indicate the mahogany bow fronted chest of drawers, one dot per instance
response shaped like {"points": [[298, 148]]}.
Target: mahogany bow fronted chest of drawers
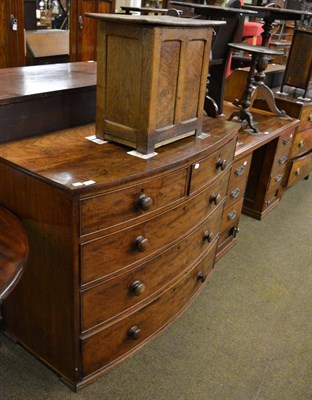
{"points": [[118, 245]]}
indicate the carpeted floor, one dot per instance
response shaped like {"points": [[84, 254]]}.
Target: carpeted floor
{"points": [[248, 336]]}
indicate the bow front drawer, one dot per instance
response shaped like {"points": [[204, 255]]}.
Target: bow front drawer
{"points": [[300, 168], [302, 143], [111, 253], [305, 119], [115, 296], [115, 342], [112, 208], [206, 170]]}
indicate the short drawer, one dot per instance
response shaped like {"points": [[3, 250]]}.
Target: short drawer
{"points": [[117, 295], [122, 338], [277, 179], [284, 143], [272, 196], [238, 180], [230, 217], [111, 253], [305, 119], [302, 143], [207, 169], [300, 168], [112, 208]]}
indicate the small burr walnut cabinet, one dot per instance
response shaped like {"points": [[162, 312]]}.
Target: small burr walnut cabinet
{"points": [[118, 245]]}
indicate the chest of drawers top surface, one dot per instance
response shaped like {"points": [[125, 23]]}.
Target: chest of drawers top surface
{"points": [[65, 158], [270, 127]]}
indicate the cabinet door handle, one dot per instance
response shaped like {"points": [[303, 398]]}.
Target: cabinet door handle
{"points": [[80, 22], [13, 23]]}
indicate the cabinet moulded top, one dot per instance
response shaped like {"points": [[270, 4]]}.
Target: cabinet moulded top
{"points": [[155, 20]]}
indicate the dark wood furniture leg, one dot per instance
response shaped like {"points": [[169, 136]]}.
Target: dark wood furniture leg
{"points": [[13, 253]]}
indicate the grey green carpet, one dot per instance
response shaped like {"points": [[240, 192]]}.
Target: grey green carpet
{"points": [[248, 336]]}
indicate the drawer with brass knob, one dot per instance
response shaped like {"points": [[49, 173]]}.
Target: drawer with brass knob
{"points": [[113, 297], [300, 168], [115, 207], [238, 180], [100, 349], [277, 178], [230, 216], [206, 170], [284, 144], [109, 254], [302, 143], [305, 119]]}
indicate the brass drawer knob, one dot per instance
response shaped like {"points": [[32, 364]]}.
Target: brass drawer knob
{"points": [[208, 236], [141, 243], [301, 144], [282, 160], [310, 118], [234, 231], [201, 277], [221, 164], [235, 193], [137, 288], [145, 202], [232, 215], [298, 172], [278, 178], [286, 141], [240, 170], [134, 333], [215, 198]]}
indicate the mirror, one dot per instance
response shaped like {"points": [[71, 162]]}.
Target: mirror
{"points": [[46, 14], [46, 25]]}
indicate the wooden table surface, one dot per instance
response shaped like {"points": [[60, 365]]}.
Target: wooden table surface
{"points": [[270, 126], [17, 83]]}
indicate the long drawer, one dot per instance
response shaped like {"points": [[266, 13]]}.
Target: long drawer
{"points": [[122, 338], [115, 296], [300, 168], [112, 253], [112, 208]]}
